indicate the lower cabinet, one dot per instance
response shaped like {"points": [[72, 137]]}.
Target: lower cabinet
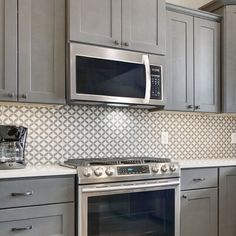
{"points": [[227, 201], [51, 220], [199, 212]]}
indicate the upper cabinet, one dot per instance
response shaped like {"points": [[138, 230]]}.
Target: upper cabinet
{"points": [[193, 60], [228, 11], [32, 51], [130, 24], [8, 50], [42, 51]]}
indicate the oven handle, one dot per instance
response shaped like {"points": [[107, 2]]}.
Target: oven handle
{"points": [[146, 63], [130, 187]]}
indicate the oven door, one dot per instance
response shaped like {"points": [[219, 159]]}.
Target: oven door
{"points": [[146, 208], [108, 75]]}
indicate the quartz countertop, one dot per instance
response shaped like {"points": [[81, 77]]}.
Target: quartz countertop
{"points": [[37, 171], [206, 163]]}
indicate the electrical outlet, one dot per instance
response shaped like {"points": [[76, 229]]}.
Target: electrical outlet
{"points": [[164, 138], [233, 138]]}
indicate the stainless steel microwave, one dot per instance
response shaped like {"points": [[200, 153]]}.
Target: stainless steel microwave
{"points": [[99, 75]]}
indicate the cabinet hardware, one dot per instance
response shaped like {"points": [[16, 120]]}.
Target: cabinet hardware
{"points": [[26, 194], [126, 44], [185, 196], [24, 95], [23, 228], [197, 107], [117, 42], [189, 107], [198, 179], [10, 95]]}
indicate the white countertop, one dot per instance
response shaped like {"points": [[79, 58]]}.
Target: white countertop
{"points": [[206, 163], [37, 171]]}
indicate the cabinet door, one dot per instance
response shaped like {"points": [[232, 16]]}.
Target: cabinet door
{"points": [[8, 50], [179, 73], [95, 22], [144, 25], [229, 59], [227, 206], [51, 220], [207, 65], [42, 51], [199, 212]]}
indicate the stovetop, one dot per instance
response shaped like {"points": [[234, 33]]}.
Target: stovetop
{"points": [[123, 169]]}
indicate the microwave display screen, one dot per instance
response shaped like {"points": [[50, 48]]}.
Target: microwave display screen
{"points": [[110, 78]]}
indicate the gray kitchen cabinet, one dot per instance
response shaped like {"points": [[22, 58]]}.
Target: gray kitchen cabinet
{"points": [[193, 59], [227, 9], [199, 202], [199, 212], [137, 25], [54, 220], [8, 50], [144, 25], [41, 51], [227, 206]]}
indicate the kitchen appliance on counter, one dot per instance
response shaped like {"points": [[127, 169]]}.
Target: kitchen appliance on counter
{"points": [[12, 147], [131, 197], [115, 77]]}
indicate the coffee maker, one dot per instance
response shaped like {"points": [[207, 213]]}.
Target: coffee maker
{"points": [[12, 147]]}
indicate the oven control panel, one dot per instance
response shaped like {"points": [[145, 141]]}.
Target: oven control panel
{"points": [[133, 170]]}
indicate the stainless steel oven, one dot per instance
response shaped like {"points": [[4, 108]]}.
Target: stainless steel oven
{"points": [[113, 76], [127, 197], [141, 208]]}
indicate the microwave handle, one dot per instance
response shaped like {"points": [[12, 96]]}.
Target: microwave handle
{"points": [[146, 63]]}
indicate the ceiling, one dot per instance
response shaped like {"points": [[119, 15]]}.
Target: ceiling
{"points": [[189, 3]]}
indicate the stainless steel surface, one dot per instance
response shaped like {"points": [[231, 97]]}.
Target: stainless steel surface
{"points": [[148, 79], [26, 194], [116, 55]]}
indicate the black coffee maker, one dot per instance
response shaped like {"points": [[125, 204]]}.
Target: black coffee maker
{"points": [[12, 147]]}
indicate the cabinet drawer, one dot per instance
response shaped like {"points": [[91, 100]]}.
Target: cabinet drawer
{"points": [[36, 191], [199, 178], [53, 220]]}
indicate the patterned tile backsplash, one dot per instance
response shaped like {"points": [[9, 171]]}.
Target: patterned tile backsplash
{"points": [[59, 133]]}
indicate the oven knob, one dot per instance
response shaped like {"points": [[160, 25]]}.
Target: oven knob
{"points": [[110, 171], [155, 169], [98, 172], [87, 172], [164, 168], [173, 168]]}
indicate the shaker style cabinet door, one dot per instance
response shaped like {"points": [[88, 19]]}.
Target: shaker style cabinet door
{"points": [[144, 25], [8, 50], [207, 65], [227, 206], [199, 212], [95, 22], [42, 51], [229, 59], [179, 73]]}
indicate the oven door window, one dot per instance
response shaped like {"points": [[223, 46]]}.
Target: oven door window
{"points": [[132, 214], [110, 78]]}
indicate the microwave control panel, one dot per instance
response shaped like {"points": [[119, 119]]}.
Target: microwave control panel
{"points": [[156, 82]]}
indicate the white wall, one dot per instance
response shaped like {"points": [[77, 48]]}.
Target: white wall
{"points": [[189, 3]]}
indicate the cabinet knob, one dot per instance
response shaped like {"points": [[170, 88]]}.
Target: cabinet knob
{"points": [[116, 42], [26, 194], [24, 95], [22, 228], [11, 95], [199, 179], [126, 44], [185, 196], [190, 107], [197, 107]]}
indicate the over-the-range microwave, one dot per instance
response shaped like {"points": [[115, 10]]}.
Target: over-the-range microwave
{"points": [[100, 75]]}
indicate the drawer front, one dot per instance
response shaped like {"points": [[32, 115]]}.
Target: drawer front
{"points": [[53, 220], [199, 178], [37, 191]]}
